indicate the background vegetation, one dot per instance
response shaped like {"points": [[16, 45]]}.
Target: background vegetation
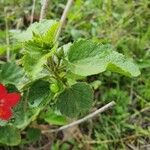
{"points": [[126, 25]]}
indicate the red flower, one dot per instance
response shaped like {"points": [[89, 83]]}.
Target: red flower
{"points": [[7, 101]]}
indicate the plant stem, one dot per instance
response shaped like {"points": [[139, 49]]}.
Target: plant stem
{"points": [[63, 18], [100, 110], [32, 12], [7, 36], [43, 9]]}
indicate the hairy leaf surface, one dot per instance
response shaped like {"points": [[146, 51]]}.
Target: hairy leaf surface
{"points": [[75, 100], [88, 58], [38, 92]]}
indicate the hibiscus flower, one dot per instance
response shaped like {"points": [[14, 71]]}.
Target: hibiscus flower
{"points": [[7, 101]]}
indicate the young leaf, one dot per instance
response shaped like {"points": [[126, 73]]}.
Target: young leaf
{"points": [[75, 100], [41, 28], [9, 136], [11, 73], [34, 58], [53, 118], [88, 58], [49, 36], [39, 49]]}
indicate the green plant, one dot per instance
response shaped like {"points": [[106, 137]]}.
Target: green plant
{"points": [[50, 77]]}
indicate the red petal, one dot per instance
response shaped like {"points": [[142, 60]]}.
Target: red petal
{"points": [[11, 99], [5, 113], [3, 91]]}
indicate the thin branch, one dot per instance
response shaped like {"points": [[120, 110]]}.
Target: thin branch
{"points": [[7, 35], [43, 9], [100, 110], [63, 17], [32, 12]]}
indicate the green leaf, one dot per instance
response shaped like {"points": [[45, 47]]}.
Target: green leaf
{"points": [[39, 45], [34, 58], [38, 92], [53, 118], [41, 28], [49, 36], [38, 50], [75, 100], [22, 118], [33, 134], [37, 97], [88, 58], [9, 136], [11, 74]]}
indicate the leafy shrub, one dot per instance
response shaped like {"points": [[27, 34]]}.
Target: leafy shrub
{"points": [[50, 77]]}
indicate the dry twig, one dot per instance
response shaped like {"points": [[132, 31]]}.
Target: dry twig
{"points": [[100, 110], [7, 35], [32, 12], [63, 17], [43, 9]]}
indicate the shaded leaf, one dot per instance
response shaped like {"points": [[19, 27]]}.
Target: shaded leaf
{"points": [[38, 92], [9, 136], [75, 100], [33, 134]]}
